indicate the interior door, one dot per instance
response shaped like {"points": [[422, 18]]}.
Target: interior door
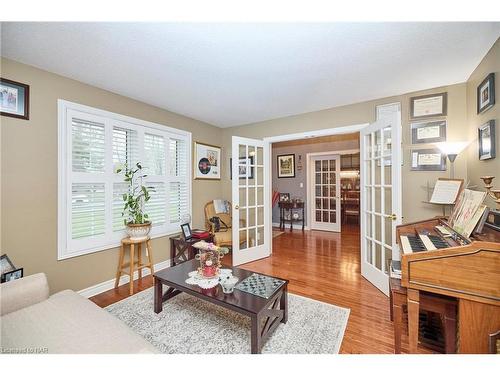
{"points": [[325, 192], [251, 200], [380, 198]]}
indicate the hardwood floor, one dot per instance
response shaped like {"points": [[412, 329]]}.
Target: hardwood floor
{"points": [[326, 267]]}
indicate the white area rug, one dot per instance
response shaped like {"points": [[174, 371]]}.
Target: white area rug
{"points": [[190, 325]]}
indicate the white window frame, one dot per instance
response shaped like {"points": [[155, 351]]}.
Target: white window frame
{"points": [[65, 249]]}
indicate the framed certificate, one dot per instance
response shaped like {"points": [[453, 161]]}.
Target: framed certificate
{"points": [[431, 159], [428, 132], [426, 106]]}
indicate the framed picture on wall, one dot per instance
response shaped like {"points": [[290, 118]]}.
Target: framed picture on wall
{"points": [[284, 197], [244, 168], [486, 93], [286, 166], [425, 106], [207, 161], [428, 132], [487, 141], [431, 159], [14, 99]]}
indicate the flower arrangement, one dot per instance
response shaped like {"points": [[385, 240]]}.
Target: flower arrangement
{"points": [[210, 256]]}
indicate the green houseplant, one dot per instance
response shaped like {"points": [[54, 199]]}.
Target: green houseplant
{"points": [[135, 219]]}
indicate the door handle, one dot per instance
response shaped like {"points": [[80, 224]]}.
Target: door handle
{"points": [[236, 207], [393, 216]]}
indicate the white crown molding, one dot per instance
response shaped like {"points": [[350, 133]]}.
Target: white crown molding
{"points": [[110, 284]]}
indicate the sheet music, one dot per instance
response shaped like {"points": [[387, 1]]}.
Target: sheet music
{"points": [[465, 211], [446, 191]]}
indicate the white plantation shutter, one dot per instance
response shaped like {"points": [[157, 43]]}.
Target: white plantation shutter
{"points": [[93, 144]]}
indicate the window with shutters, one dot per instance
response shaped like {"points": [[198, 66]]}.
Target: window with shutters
{"points": [[93, 144]]}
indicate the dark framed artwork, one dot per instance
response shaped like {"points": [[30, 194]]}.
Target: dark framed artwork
{"points": [[486, 93], [5, 264], [487, 141], [428, 132], [425, 106], [12, 275], [207, 161], [186, 231], [284, 197], [286, 166], [431, 159], [245, 168], [14, 99]]}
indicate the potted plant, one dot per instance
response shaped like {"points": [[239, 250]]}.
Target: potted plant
{"points": [[135, 219]]}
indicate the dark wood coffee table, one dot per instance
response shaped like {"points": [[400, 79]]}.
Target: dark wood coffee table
{"points": [[266, 314]]}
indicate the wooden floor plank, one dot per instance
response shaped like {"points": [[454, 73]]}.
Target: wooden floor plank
{"points": [[324, 266]]}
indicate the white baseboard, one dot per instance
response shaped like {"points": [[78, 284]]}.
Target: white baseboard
{"points": [[124, 279], [295, 226]]}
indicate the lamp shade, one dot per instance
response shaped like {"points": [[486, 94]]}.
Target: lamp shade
{"points": [[452, 148]]}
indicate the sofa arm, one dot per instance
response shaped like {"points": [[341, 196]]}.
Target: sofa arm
{"points": [[21, 293]]}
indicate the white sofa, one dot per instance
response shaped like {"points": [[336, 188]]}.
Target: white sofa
{"points": [[33, 322]]}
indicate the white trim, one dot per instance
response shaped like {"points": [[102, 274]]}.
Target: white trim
{"points": [[64, 242], [317, 133], [295, 226], [124, 279]]}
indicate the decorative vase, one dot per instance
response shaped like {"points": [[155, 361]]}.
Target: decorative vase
{"points": [[138, 232], [209, 262]]}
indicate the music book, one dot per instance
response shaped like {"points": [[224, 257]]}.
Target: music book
{"points": [[465, 215], [446, 191]]}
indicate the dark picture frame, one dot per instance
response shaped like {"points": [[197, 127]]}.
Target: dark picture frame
{"points": [[186, 231], [14, 99], [419, 102], [284, 197], [6, 264], [485, 95], [286, 165], [418, 129], [249, 161], [487, 140], [416, 165], [12, 275]]}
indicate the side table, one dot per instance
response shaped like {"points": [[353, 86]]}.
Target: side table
{"points": [[291, 206], [182, 250]]}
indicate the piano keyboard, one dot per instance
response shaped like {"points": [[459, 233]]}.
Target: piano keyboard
{"points": [[422, 242]]}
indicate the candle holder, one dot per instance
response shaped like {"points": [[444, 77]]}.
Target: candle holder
{"points": [[493, 193]]}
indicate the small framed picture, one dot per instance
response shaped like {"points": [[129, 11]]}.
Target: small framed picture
{"points": [[12, 275], [14, 99], [286, 166], [425, 106], [487, 141], [431, 159], [284, 197], [428, 132], [186, 231], [486, 93], [207, 162], [5, 264], [244, 168]]}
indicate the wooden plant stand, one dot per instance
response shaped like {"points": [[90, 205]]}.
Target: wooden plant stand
{"points": [[133, 264]]}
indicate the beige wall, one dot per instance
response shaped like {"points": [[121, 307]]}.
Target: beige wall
{"points": [[413, 182], [476, 167], [29, 177]]}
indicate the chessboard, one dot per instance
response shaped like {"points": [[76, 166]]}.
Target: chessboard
{"points": [[260, 285]]}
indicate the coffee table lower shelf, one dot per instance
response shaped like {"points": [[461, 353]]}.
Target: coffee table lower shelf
{"points": [[265, 314]]}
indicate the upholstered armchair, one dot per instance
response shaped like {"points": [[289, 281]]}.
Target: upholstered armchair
{"points": [[224, 236]]}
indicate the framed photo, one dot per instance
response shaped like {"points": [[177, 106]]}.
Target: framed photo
{"points": [[431, 159], [186, 231], [12, 275], [486, 93], [385, 110], [207, 161], [244, 168], [5, 264], [425, 106], [284, 197], [14, 99], [487, 141], [286, 166], [428, 132]]}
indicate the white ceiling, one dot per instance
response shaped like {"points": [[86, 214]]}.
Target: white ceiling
{"points": [[233, 74]]}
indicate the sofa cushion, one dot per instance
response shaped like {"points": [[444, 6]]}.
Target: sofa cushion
{"points": [[69, 323]]}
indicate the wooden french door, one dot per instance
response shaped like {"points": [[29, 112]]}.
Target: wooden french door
{"points": [[325, 192], [380, 197], [251, 200]]}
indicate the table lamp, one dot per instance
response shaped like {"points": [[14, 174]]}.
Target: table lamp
{"points": [[451, 150]]}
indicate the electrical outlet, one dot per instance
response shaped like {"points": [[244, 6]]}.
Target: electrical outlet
{"points": [[301, 185]]}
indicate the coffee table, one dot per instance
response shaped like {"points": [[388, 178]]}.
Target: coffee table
{"points": [[266, 314]]}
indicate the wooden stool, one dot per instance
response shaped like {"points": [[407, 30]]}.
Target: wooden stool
{"points": [[131, 265]]}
